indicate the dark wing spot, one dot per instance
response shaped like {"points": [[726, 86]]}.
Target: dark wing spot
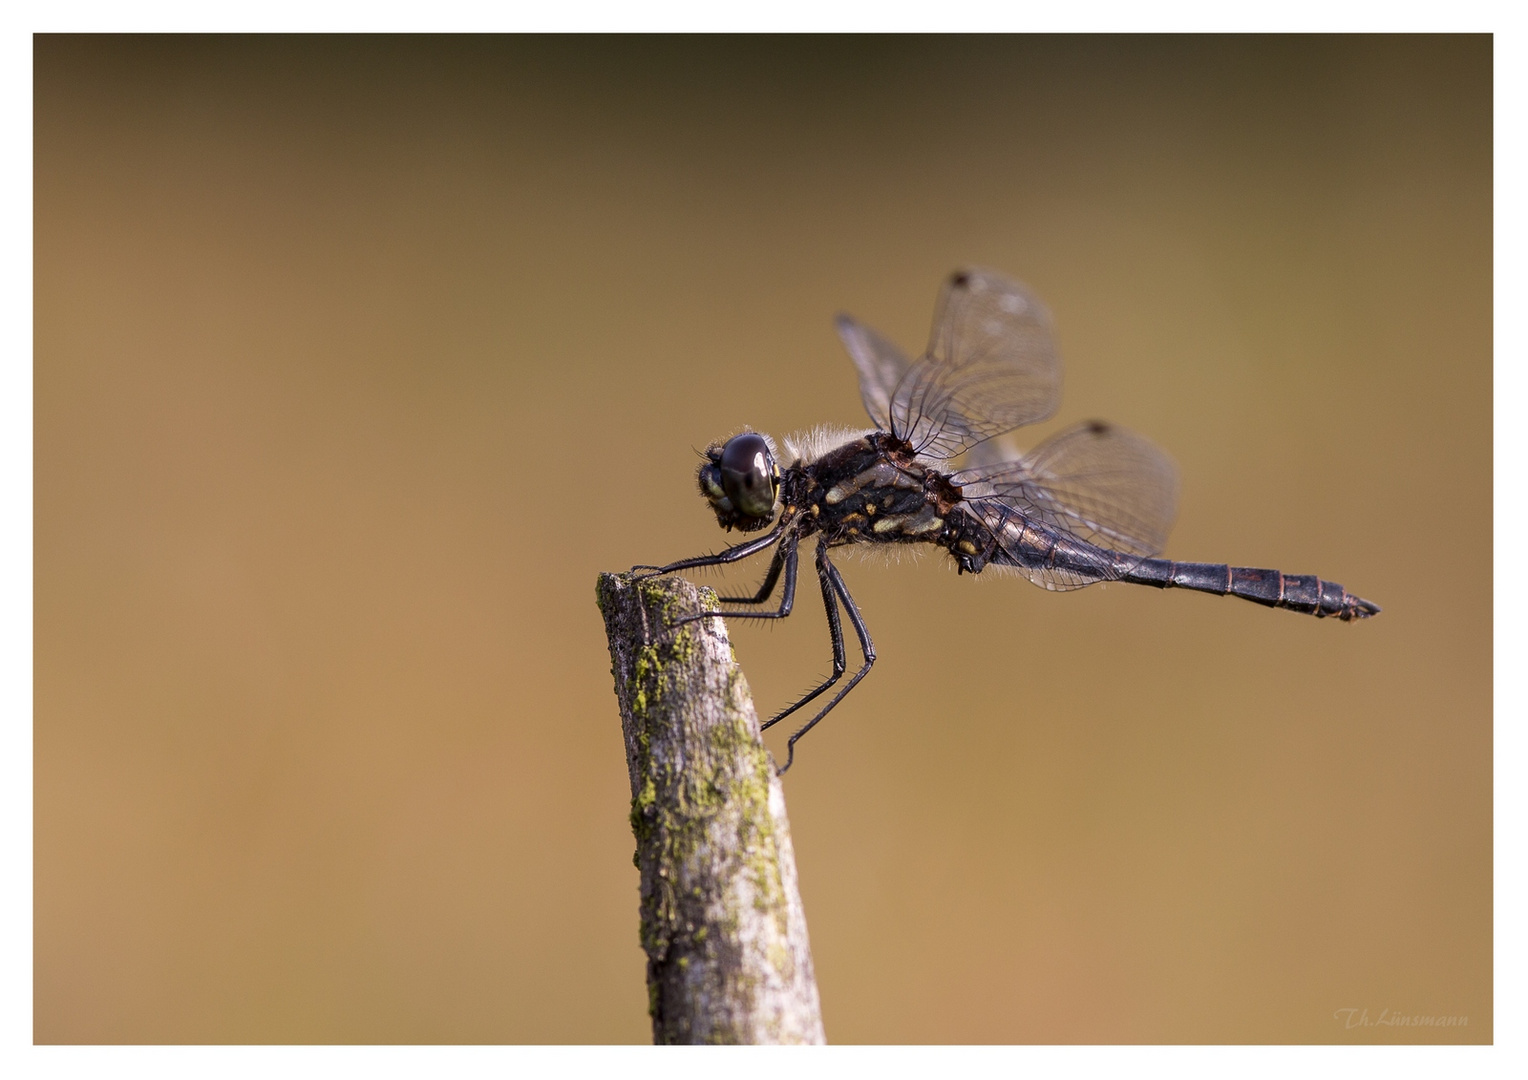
{"points": [[1098, 427], [961, 280]]}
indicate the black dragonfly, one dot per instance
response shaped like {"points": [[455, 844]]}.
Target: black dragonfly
{"points": [[1092, 503]]}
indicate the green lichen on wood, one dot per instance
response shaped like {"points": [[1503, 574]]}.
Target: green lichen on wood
{"points": [[669, 831], [700, 815]]}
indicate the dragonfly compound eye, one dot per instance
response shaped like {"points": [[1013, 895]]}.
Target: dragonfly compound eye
{"points": [[748, 474]]}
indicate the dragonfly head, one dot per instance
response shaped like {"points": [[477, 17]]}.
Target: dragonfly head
{"points": [[741, 481]]}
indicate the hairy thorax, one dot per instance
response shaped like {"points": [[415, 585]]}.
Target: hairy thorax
{"points": [[873, 490]]}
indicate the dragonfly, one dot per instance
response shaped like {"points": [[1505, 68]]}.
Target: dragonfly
{"points": [[1092, 503]]}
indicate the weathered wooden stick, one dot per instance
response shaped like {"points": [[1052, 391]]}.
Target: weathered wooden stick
{"points": [[722, 923]]}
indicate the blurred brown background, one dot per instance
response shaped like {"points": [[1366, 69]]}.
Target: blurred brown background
{"points": [[357, 359]]}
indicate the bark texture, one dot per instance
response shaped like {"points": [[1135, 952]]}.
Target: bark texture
{"points": [[722, 924]]}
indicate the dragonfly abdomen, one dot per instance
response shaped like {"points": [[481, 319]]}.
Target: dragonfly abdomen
{"points": [[999, 535], [1305, 593]]}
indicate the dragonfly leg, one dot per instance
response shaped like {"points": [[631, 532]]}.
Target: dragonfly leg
{"points": [[785, 558], [730, 555], [785, 553], [835, 630], [867, 647]]}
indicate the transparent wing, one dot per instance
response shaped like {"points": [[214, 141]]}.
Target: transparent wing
{"points": [[881, 366], [1096, 481], [996, 451], [991, 366]]}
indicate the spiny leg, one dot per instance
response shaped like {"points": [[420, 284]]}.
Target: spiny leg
{"points": [[731, 555], [866, 646], [835, 630], [785, 556], [785, 553]]}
